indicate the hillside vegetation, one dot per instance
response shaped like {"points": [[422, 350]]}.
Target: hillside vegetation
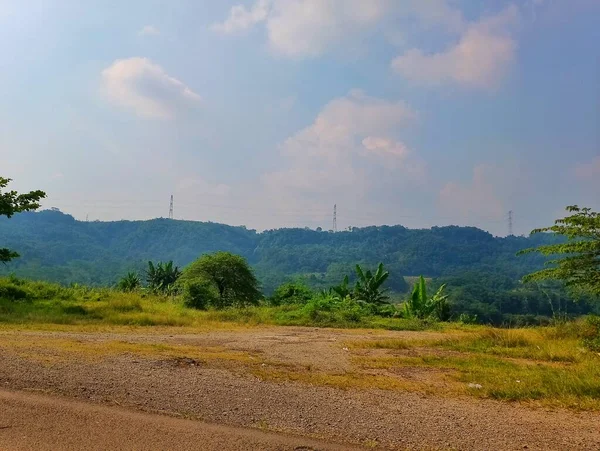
{"points": [[482, 271]]}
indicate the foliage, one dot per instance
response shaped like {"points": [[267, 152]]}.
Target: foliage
{"points": [[12, 202], [230, 274], [342, 291], [130, 282], [161, 278], [368, 286], [579, 266], [419, 305], [291, 293], [482, 272], [200, 294], [591, 334]]}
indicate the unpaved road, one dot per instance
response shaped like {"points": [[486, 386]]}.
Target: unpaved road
{"points": [[36, 422], [216, 378]]}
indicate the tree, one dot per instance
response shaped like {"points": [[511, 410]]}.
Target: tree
{"points": [[12, 202], [161, 278], [230, 274], [368, 285], [577, 261]]}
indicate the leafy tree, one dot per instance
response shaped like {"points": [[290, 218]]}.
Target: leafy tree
{"points": [[577, 261], [130, 282], [419, 305], [12, 202], [231, 276], [368, 285], [161, 278]]}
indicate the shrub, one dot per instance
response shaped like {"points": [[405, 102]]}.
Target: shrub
{"points": [[200, 294], [291, 293], [13, 292], [591, 333]]}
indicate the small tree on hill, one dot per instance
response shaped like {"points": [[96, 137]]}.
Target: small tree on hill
{"points": [[12, 202], [231, 276], [577, 261]]}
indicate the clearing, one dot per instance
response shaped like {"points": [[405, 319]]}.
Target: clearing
{"points": [[291, 388]]}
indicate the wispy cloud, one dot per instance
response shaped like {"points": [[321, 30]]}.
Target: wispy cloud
{"points": [[481, 58], [140, 85], [341, 154], [310, 28], [149, 30], [241, 18]]}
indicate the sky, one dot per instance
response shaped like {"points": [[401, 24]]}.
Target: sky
{"points": [[266, 113]]}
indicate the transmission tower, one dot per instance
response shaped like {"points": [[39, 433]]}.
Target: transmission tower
{"points": [[171, 208], [335, 218], [510, 223]]}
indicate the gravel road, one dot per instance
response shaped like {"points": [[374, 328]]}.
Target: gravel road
{"points": [[118, 386]]}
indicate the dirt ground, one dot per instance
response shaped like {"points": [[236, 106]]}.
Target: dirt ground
{"points": [[257, 388]]}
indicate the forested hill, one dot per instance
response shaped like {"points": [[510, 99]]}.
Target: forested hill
{"points": [[55, 246]]}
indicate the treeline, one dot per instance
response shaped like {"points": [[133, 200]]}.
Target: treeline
{"points": [[482, 272]]}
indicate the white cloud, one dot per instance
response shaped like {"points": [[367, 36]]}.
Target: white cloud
{"points": [[474, 200], [342, 153], [241, 19], [299, 28], [481, 58], [144, 87], [310, 28], [149, 30], [386, 147]]}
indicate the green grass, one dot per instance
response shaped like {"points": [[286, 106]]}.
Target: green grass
{"points": [[541, 365], [25, 302]]}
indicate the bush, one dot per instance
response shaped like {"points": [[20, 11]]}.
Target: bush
{"points": [[200, 294], [591, 333], [13, 292], [291, 293]]}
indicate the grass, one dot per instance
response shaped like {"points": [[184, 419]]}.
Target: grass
{"points": [[546, 366], [39, 303], [543, 365]]}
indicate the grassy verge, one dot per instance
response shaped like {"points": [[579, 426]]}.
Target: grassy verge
{"points": [[546, 366], [36, 303]]}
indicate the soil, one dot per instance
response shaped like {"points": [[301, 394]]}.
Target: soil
{"points": [[51, 398]]}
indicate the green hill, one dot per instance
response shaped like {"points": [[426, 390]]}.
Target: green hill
{"points": [[54, 246]]}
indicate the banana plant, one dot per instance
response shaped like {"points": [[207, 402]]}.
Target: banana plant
{"points": [[419, 305], [161, 277], [130, 282], [368, 287], [342, 291]]}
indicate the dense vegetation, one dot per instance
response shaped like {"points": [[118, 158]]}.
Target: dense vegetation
{"points": [[482, 272]]}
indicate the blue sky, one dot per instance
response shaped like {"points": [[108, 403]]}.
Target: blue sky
{"points": [[267, 112]]}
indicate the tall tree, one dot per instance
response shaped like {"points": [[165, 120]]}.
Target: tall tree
{"points": [[230, 274], [12, 202], [577, 261]]}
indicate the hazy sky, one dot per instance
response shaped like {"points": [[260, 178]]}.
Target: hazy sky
{"points": [[267, 112]]}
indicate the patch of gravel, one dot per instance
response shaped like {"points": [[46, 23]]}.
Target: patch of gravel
{"points": [[389, 419]]}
